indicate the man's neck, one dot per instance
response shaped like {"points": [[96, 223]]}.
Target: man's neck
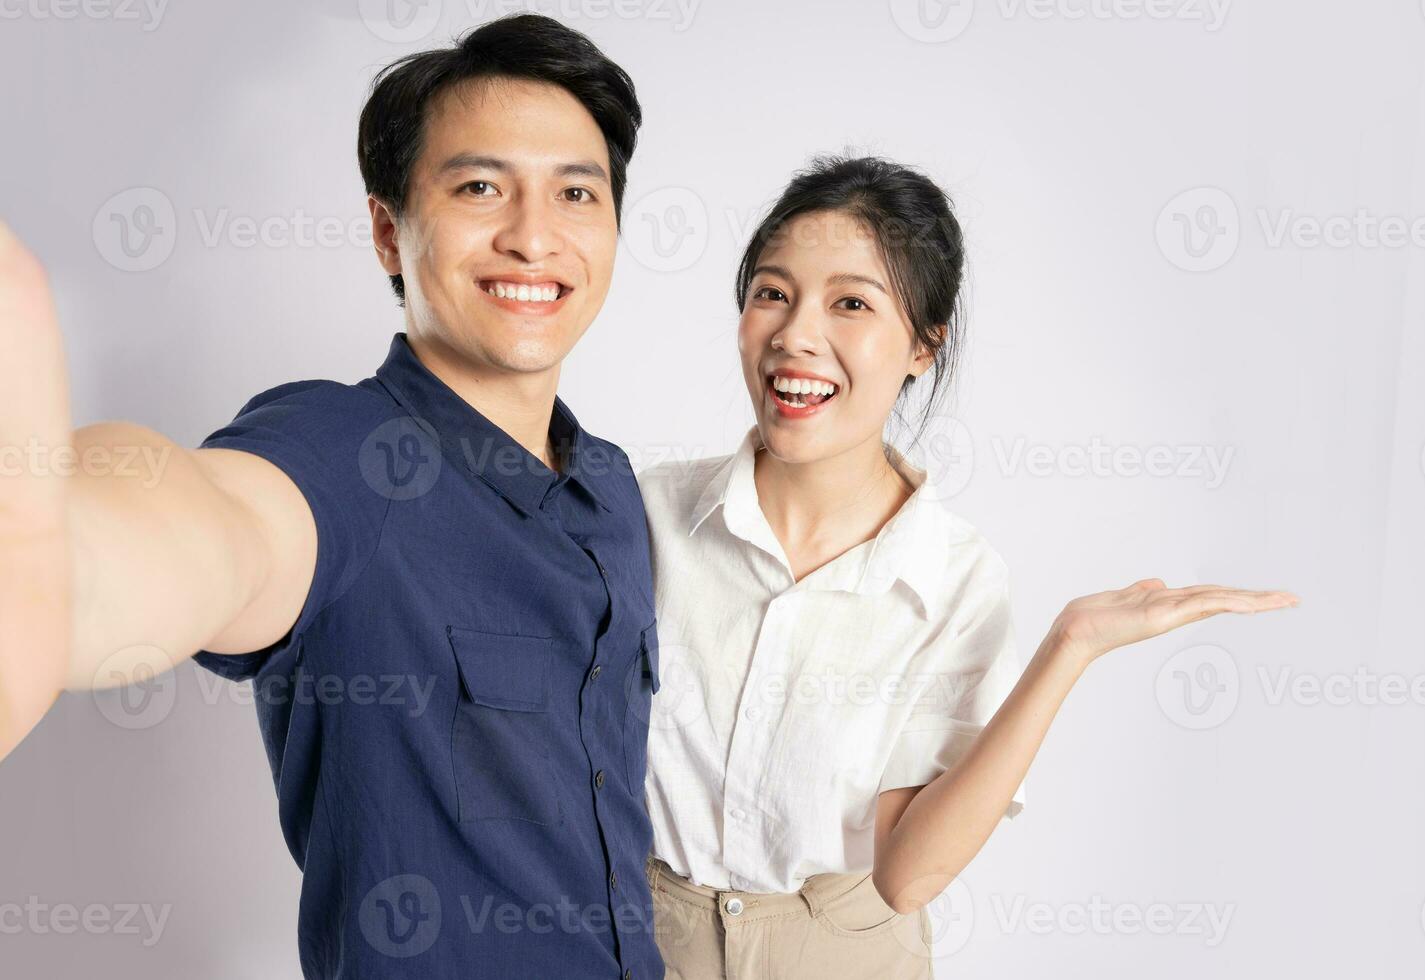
{"points": [[521, 404]]}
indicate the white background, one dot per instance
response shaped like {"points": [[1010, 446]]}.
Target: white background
{"points": [[1104, 156]]}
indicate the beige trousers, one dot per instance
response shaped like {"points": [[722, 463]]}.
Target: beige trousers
{"points": [[837, 927]]}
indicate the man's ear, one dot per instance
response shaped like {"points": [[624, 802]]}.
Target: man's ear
{"points": [[383, 235]]}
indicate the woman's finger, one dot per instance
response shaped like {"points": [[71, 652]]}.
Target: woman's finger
{"points": [[1200, 606], [1195, 590]]}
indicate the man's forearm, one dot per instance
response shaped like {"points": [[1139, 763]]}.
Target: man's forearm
{"points": [[34, 644]]}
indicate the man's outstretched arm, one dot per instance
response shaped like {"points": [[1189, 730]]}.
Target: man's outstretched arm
{"points": [[104, 567]]}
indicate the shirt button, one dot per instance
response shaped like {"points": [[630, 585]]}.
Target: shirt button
{"points": [[736, 814], [599, 779], [627, 975], [734, 906], [752, 713], [598, 669], [613, 880]]}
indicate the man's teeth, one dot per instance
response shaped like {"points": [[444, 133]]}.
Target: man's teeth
{"points": [[803, 386], [523, 292]]}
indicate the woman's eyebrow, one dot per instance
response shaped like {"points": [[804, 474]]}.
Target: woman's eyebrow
{"points": [[852, 278], [773, 270]]}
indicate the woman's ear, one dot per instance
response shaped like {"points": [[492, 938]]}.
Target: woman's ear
{"points": [[925, 356]]}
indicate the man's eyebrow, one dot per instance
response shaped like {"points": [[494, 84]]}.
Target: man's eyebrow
{"points": [[477, 161], [583, 168]]}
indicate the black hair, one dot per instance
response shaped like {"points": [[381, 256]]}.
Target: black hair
{"points": [[914, 226], [530, 47]]}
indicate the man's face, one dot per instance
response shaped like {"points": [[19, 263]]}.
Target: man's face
{"points": [[507, 242]]}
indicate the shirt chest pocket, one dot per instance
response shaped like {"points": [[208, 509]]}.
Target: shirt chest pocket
{"points": [[641, 685], [501, 733]]}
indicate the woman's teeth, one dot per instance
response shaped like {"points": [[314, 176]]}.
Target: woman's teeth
{"points": [[801, 392], [524, 292]]}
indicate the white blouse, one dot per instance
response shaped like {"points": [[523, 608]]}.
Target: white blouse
{"points": [[785, 708]]}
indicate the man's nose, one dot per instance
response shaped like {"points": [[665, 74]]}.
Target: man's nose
{"points": [[531, 232]]}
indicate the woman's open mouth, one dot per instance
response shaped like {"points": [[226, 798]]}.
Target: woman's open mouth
{"points": [[799, 397]]}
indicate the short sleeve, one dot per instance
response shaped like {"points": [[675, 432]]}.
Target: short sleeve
{"points": [[963, 676], [316, 433]]}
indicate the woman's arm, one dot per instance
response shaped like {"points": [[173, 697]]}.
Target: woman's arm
{"points": [[926, 835]]}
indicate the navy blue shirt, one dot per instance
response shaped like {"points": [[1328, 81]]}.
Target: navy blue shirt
{"points": [[457, 722]]}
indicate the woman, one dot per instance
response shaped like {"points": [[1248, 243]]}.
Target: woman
{"points": [[842, 722]]}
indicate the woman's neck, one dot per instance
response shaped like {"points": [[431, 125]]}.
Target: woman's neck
{"points": [[823, 508]]}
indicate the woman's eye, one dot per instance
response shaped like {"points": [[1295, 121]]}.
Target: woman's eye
{"points": [[480, 188], [770, 292], [578, 195], [853, 303]]}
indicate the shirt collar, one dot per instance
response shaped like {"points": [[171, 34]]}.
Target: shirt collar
{"points": [[910, 547], [483, 447]]}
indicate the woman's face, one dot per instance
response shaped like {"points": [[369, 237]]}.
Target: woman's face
{"points": [[821, 315]]}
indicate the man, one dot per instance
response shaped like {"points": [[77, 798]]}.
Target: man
{"points": [[446, 521]]}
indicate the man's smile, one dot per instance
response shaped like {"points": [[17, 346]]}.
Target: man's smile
{"points": [[542, 296]]}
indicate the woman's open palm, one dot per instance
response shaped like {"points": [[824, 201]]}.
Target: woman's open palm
{"points": [[1095, 624]]}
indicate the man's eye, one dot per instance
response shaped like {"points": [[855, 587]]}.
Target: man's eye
{"points": [[480, 188], [578, 195], [770, 292]]}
